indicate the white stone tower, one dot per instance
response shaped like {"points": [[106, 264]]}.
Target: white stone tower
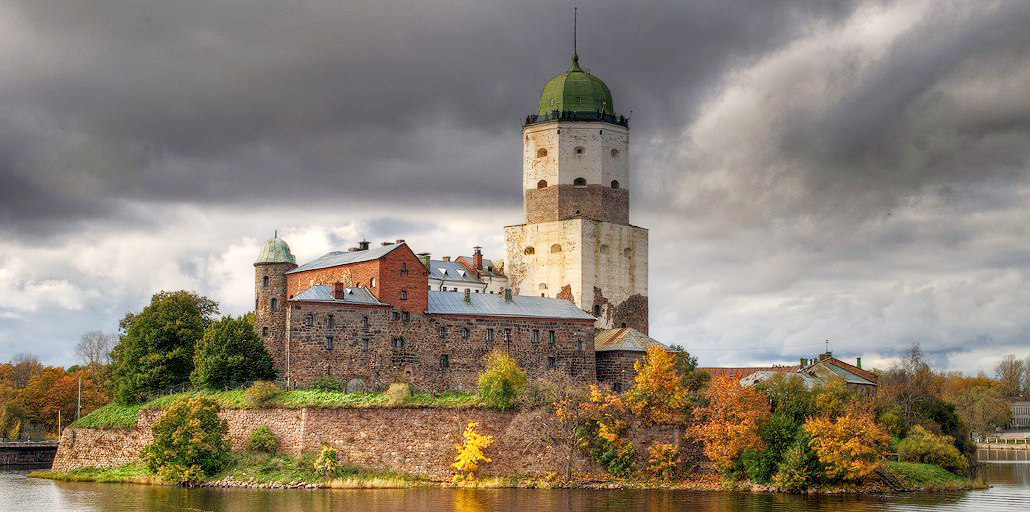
{"points": [[577, 242]]}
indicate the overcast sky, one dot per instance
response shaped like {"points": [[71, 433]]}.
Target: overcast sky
{"points": [[855, 171]]}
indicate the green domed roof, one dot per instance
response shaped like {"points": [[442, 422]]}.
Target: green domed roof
{"points": [[576, 91], [275, 250]]}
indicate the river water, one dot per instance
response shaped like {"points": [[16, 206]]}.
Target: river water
{"points": [[1010, 493]]}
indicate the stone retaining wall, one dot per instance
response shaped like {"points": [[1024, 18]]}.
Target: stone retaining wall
{"points": [[410, 440]]}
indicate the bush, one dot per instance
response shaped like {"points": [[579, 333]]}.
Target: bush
{"points": [[326, 464], [848, 447], [327, 383], [262, 439], [501, 381], [261, 393], [398, 394], [662, 460], [617, 457], [923, 446], [778, 434], [797, 469], [470, 452], [189, 442]]}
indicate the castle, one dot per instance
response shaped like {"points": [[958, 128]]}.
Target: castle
{"points": [[570, 295]]}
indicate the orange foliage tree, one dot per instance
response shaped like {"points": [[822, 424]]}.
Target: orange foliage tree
{"points": [[729, 424], [848, 447], [658, 393]]}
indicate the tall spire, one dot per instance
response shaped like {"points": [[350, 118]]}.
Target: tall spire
{"points": [[575, 53]]}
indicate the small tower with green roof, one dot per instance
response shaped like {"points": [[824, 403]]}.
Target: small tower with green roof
{"points": [[270, 297], [577, 242]]}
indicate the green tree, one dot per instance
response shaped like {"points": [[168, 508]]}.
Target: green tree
{"points": [[230, 354], [156, 350], [189, 442], [982, 408], [501, 380]]}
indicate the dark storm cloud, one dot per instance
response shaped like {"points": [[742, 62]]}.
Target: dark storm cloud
{"points": [[214, 102]]}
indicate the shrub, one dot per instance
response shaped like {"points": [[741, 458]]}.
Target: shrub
{"points": [[397, 394], [470, 452], [261, 393], [778, 435], [501, 381], [849, 447], [797, 469], [729, 425], [923, 446], [662, 460], [326, 464], [617, 457], [189, 442], [327, 383], [658, 393], [262, 439]]}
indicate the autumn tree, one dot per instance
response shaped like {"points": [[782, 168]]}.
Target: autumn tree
{"points": [[189, 442], [730, 423], [156, 351], [658, 394], [982, 408], [1010, 372], [23, 367], [848, 447]]}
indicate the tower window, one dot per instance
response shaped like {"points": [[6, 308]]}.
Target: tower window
{"points": [[264, 331], [580, 182], [628, 252], [543, 286], [264, 282], [539, 184], [272, 304], [604, 249], [597, 310], [615, 183], [615, 153], [529, 250], [579, 150], [556, 248], [541, 153]]}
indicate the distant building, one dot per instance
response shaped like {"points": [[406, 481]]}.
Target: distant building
{"points": [[476, 274], [819, 370], [1020, 414]]}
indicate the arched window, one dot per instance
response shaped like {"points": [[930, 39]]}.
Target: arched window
{"points": [[543, 286], [329, 321], [539, 184], [404, 294], [580, 182], [529, 250], [597, 310], [272, 304], [604, 249], [372, 283], [628, 252], [556, 248], [615, 183], [579, 150], [264, 282], [615, 153], [541, 152]]}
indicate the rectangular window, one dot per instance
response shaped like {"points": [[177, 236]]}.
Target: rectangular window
{"points": [[579, 345], [404, 294], [536, 336], [489, 335], [364, 345], [396, 315], [507, 336], [444, 361], [552, 340], [551, 363], [398, 343], [406, 315], [364, 322], [328, 342], [441, 332], [264, 331], [329, 321]]}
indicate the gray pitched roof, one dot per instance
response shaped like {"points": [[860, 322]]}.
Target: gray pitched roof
{"points": [[322, 293], [521, 306], [451, 271], [625, 338], [337, 258]]}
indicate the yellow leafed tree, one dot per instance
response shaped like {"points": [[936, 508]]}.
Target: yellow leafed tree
{"points": [[470, 452], [658, 393], [849, 447]]}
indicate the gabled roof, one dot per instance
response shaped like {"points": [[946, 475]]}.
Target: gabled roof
{"points": [[451, 271], [521, 306], [625, 338], [337, 258], [741, 372], [322, 293], [840, 369], [469, 262]]}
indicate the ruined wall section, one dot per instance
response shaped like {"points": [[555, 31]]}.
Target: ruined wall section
{"points": [[615, 274]]}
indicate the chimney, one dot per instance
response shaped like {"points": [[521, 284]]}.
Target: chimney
{"points": [[363, 245], [477, 258], [339, 291], [468, 296], [803, 361], [424, 256], [386, 243], [400, 240], [858, 362], [447, 258], [507, 295]]}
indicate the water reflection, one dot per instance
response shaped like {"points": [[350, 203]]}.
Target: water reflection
{"points": [[1011, 492]]}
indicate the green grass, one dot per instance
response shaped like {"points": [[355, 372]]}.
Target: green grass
{"points": [[134, 472], [126, 416], [928, 477], [260, 468]]}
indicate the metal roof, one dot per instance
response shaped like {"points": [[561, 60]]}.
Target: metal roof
{"points": [[625, 338], [337, 258], [275, 250], [451, 271], [521, 306], [741, 372], [809, 381], [325, 294], [576, 91], [487, 265], [849, 377]]}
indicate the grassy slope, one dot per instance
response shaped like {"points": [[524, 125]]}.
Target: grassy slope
{"points": [[135, 473], [928, 477], [126, 416]]}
